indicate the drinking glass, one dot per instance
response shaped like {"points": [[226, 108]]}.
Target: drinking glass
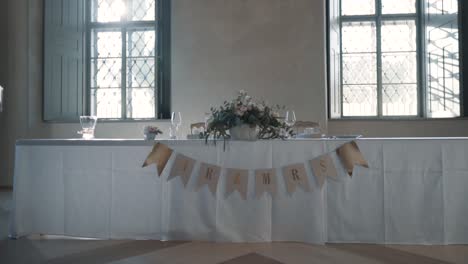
{"points": [[1, 99], [290, 118], [176, 121], [88, 124]]}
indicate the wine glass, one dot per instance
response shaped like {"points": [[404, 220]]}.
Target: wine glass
{"points": [[290, 118], [176, 121]]}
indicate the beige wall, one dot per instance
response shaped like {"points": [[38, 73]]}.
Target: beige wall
{"points": [[262, 46], [218, 48], [275, 49]]}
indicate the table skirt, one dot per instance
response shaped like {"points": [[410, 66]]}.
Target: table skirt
{"points": [[415, 192]]}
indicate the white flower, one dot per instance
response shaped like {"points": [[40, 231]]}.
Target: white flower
{"points": [[243, 92], [261, 107], [250, 105], [282, 132]]}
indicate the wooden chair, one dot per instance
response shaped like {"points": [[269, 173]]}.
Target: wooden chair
{"points": [[197, 125]]}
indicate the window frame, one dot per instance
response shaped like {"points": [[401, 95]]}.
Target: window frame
{"points": [[421, 61], [162, 26], [463, 33]]}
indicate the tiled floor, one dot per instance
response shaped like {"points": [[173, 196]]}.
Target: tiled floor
{"points": [[59, 250]]}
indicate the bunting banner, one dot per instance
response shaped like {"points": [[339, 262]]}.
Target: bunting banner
{"points": [[323, 167], [183, 167], [160, 156], [350, 155], [294, 175], [265, 181], [237, 181], [209, 175]]}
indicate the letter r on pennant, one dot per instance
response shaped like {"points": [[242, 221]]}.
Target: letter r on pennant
{"points": [[295, 174], [209, 173], [237, 179], [266, 178]]}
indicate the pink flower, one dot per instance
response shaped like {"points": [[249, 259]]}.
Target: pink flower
{"points": [[240, 110], [152, 130]]}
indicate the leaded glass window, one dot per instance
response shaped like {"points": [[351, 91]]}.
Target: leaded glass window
{"points": [[399, 58], [443, 57], [125, 59]]}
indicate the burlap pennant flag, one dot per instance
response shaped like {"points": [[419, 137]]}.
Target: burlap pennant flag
{"points": [[350, 155], [183, 167], [209, 175], [323, 167], [159, 156], [237, 181], [265, 181], [294, 176]]}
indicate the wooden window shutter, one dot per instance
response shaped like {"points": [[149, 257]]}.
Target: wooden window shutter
{"points": [[64, 60]]}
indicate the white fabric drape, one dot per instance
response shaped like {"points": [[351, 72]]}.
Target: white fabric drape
{"points": [[414, 192]]}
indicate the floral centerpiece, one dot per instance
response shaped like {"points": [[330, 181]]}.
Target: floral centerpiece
{"points": [[151, 132], [246, 119]]}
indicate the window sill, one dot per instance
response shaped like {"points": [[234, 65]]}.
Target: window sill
{"points": [[397, 119], [152, 120], [110, 121]]}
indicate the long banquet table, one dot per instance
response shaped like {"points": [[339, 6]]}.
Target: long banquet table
{"points": [[415, 192]]}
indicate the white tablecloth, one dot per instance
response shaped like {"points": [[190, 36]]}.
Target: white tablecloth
{"points": [[415, 192]]}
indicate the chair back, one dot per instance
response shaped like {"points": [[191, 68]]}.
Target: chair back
{"points": [[197, 125], [299, 126]]}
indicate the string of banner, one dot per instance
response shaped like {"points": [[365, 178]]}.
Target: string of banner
{"points": [[265, 179]]}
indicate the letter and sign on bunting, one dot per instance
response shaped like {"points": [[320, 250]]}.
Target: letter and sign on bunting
{"points": [[237, 181], [265, 181], [323, 167], [295, 175], [350, 155], [209, 175], [159, 156], [183, 167]]}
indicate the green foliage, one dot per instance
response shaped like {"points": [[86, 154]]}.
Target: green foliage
{"points": [[244, 110]]}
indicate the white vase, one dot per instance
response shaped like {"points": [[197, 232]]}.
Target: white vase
{"points": [[150, 136], [244, 132]]}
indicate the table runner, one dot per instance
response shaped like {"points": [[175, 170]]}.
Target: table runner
{"points": [[413, 193]]}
